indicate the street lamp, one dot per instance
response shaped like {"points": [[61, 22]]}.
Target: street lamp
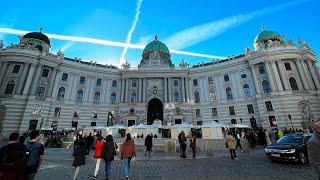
{"points": [[289, 116]]}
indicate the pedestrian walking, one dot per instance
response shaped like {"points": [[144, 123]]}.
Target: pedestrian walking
{"points": [[128, 151], [98, 154], [80, 156], [12, 159], [231, 143], [35, 154], [193, 144], [313, 146], [148, 144], [89, 143], [183, 144], [109, 151], [238, 140]]}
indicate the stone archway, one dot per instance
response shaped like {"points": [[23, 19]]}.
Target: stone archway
{"points": [[155, 110]]}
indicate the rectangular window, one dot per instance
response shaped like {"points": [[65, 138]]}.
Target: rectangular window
{"points": [[114, 83], [16, 69], [134, 83], [175, 83], [82, 79], [243, 74], [45, 73], [250, 108], [198, 114], [288, 66], [214, 112], [269, 106], [231, 110], [226, 78], [210, 80], [57, 112], [64, 77], [262, 70], [195, 82], [37, 109], [98, 83]]}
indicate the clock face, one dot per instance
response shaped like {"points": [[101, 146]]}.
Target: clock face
{"points": [[155, 91]]}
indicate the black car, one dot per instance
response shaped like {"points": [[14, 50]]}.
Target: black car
{"points": [[291, 147]]}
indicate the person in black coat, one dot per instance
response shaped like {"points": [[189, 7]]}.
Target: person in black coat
{"points": [[80, 156], [109, 151], [148, 144]]}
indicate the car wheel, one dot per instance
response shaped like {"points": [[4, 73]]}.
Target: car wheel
{"points": [[302, 158]]}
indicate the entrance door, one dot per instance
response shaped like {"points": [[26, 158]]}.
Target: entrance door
{"points": [[155, 110], [177, 121], [131, 123], [33, 125]]}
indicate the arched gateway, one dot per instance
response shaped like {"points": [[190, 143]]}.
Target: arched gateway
{"points": [[155, 110]]}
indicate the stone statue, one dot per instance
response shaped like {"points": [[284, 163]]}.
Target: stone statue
{"points": [[290, 43], [247, 50], [304, 45]]}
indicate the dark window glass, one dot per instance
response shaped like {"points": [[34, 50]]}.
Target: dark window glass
{"points": [[98, 83], [231, 110], [64, 77], [266, 86], [195, 82], [16, 69], [214, 112], [82, 79], [250, 108], [9, 88], [269, 106], [229, 93], [293, 84], [114, 83], [262, 70], [226, 78], [45, 73], [287, 66]]}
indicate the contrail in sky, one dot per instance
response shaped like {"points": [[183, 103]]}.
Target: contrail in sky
{"points": [[129, 36], [202, 32], [103, 42]]}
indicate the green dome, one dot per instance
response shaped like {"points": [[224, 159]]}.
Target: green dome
{"points": [[266, 35], [155, 45]]}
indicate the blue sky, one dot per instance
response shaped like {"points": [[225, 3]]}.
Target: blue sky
{"points": [[221, 28]]}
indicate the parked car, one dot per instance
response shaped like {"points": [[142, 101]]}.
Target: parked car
{"points": [[291, 147]]}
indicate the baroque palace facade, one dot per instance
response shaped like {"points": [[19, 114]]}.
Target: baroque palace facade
{"points": [[275, 85]]}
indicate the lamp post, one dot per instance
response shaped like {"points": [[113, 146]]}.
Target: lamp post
{"points": [[289, 116]]}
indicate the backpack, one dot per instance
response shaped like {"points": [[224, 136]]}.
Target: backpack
{"points": [[13, 158], [108, 152], [33, 152]]}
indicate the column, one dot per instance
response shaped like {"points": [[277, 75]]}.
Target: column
{"points": [[3, 71], [276, 74], [35, 80], [127, 91], [255, 79], [165, 82], [122, 90], [183, 89], [187, 89], [29, 79], [91, 89], [55, 86], [169, 90], [140, 90], [271, 80], [284, 81], [72, 80], [51, 83], [309, 79], [316, 69], [218, 87], [23, 77], [313, 74], [234, 85], [302, 75], [74, 87], [190, 89], [144, 89], [107, 88]]}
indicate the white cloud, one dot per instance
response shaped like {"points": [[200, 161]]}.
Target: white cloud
{"points": [[144, 40], [134, 24], [101, 42], [199, 33]]}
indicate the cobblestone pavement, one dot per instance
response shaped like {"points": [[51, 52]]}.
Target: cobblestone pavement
{"points": [[57, 166]]}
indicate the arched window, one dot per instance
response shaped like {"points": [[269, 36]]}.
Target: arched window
{"points": [[196, 97], [113, 98], [9, 87], [246, 90], [61, 92], [131, 111], [40, 90], [229, 93], [293, 84], [212, 95], [266, 86], [79, 96], [176, 96], [133, 97], [96, 97], [226, 77]]}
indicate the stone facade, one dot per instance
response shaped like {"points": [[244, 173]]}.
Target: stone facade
{"points": [[277, 84]]}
